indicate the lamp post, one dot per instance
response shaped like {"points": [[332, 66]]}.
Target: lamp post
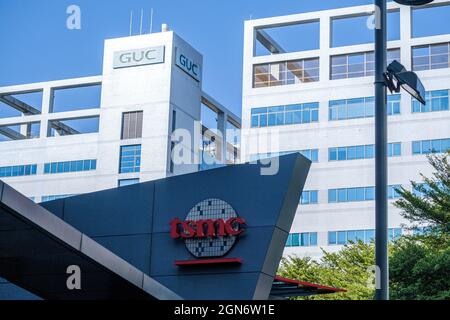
{"points": [[393, 78]]}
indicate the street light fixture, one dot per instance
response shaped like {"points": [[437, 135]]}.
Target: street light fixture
{"points": [[396, 76]]}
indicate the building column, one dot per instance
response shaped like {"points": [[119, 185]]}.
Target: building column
{"points": [[47, 102], [222, 128]]}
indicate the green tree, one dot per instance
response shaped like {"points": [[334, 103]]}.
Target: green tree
{"points": [[420, 264], [347, 269]]}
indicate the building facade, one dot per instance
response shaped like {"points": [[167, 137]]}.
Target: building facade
{"points": [[73, 136], [317, 99]]}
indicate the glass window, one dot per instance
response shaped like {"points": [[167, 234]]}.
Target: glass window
{"points": [[286, 72], [313, 239], [127, 182], [16, 171], [130, 159], [295, 239], [285, 115], [434, 56], [70, 166], [332, 237], [332, 154], [342, 195], [430, 146], [332, 195], [369, 235], [435, 101], [355, 65], [342, 237]]}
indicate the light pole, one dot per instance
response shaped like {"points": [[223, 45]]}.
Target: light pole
{"points": [[391, 78]]}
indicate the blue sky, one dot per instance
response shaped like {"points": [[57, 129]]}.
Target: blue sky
{"points": [[37, 46]]}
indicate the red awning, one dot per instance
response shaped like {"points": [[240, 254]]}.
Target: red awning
{"points": [[284, 288]]}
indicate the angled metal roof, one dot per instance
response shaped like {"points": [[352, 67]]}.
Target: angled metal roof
{"points": [[37, 247]]}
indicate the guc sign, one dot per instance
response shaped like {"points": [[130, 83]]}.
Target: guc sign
{"points": [[138, 57], [188, 64]]}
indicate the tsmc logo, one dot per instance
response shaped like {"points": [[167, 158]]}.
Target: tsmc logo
{"points": [[206, 228], [210, 229]]}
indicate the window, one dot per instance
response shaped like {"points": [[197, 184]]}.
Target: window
{"points": [[366, 236], [132, 125], [172, 143], [70, 166], [130, 159], [127, 182], [436, 101], [351, 153], [392, 192], [351, 194], [309, 197], [361, 152], [394, 233], [285, 72], [284, 115], [394, 149], [393, 104], [360, 107], [421, 230], [311, 154], [56, 197], [356, 65], [433, 56], [305, 239], [16, 171], [430, 146]]}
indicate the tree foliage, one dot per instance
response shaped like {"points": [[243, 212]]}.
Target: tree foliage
{"points": [[419, 266], [347, 269]]}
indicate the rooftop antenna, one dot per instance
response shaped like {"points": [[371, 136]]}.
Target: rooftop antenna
{"points": [[151, 20], [131, 21], [140, 28]]}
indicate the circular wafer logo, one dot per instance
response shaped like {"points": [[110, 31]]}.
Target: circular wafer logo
{"points": [[210, 229]]}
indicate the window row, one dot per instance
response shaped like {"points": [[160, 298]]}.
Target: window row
{"points": [[359, 194], [17, 171], [348, 194], [70, 166], [430, 146], [361, 152], [344, 109], [283, 115], [305, 239], [344, 66], [366, 236]]}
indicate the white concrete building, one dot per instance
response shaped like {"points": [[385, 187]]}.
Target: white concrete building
{"points": [[319, 100], [56, 141]]}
